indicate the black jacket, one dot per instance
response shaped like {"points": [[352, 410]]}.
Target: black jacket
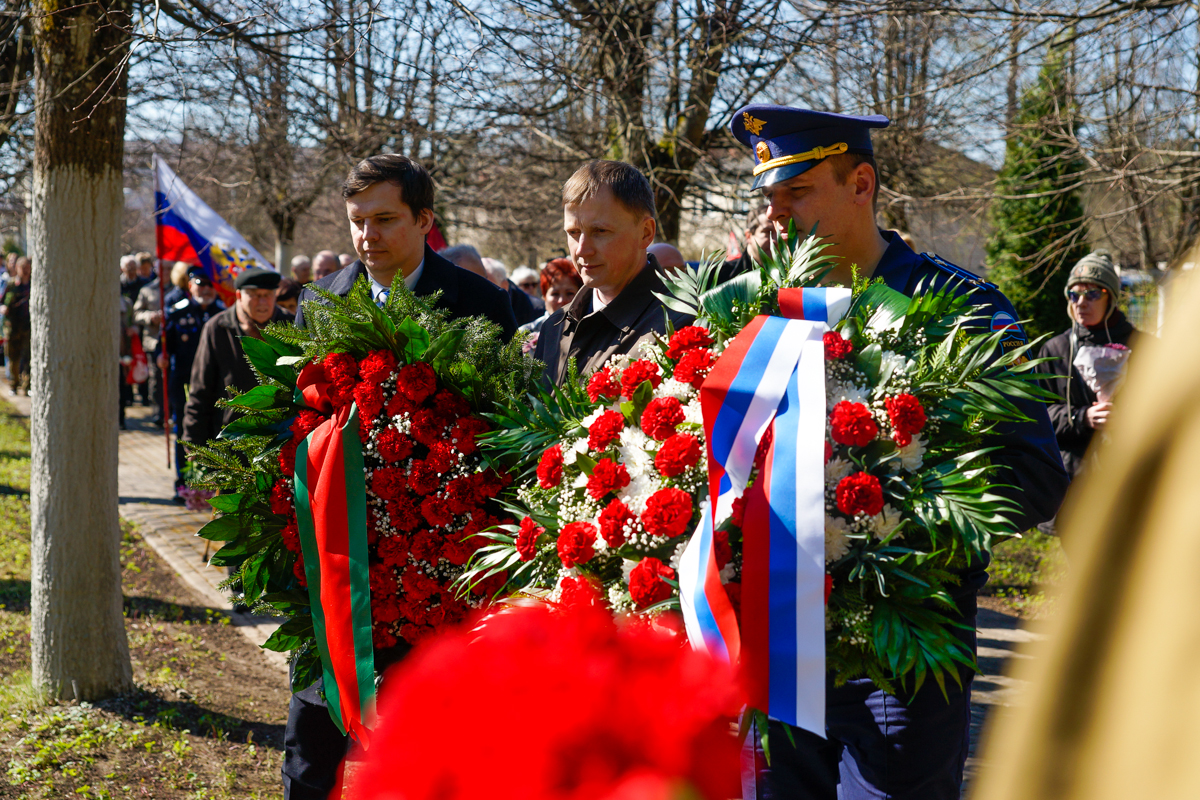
{"points": [[464, 294], [1068, 417], [219, 364], [593, 337]]}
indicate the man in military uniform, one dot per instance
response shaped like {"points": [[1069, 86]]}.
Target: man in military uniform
{"points": [[177, 349], [817, 168]]}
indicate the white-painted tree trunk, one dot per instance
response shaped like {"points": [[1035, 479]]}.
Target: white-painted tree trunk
{"points": [[78, 637]]}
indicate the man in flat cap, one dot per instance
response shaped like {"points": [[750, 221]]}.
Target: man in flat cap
{"points": [[219, 363], [817, 168]]}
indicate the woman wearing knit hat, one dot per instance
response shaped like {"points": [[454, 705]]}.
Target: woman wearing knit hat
{"points": [[1099, 335]]}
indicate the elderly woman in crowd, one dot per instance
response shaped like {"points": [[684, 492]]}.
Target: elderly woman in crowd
{"points": [[559, 283]]}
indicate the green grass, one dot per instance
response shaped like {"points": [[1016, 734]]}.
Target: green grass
{"points": [[1024, 570], [161, 740]]}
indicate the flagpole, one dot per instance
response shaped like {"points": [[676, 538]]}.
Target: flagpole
{"points": [[162, 325]]}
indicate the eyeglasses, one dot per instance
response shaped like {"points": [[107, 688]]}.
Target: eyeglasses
{"points": [[1091, 295], [528, 285]]}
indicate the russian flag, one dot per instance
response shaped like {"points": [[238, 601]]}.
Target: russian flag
{"points": [[771, 376], [187, 229]]}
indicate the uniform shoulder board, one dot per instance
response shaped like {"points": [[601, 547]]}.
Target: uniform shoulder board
{"points": [[182, 304], [958, 272]]}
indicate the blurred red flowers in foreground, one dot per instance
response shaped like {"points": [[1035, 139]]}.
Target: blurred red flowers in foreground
{"points": [[543, 705]]}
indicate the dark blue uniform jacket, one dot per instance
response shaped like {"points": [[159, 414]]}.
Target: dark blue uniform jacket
{"points": [[1028, 453], [181, 335]]}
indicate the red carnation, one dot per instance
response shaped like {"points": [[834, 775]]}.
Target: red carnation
{"points": [[602, 384], [291, 536], [423, 478], [686, 339], [388, 483], [907, 417], [579, 593], [668, 513], [392, 445], [576, 543], [393, 550], [527, 538], [287, 458], [369, 398], [399, 404], [441, 458], [734, 592], [466, 431], [678, 454], [451, 405], [306, 421], [428, 427], [460, 495], [693, 367], [436, 511], [614, 520], [738, 515], [340, 368], [550, 468], [853, 424], [607, 476], [489, 483], [836, 346], [377, 367], [661, 417], [298, 571], [416, 382], [860, 493], [638, 373], [828, 587], [404, 513], [427, 546], [281, 498], [605, 430], [646, 584]]}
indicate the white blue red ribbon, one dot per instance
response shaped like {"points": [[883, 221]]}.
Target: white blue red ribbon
{"points": [[771, 375]]}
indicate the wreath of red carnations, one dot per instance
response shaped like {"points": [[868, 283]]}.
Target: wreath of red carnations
{"points": [[428, 491]]}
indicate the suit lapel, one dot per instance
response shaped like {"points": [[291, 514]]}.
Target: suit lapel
{"points": [[438, 274]]}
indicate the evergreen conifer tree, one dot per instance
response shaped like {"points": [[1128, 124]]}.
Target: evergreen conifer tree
{"points": [[1038, 215]]}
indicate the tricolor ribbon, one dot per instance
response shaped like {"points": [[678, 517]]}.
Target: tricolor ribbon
{"points": [[331, 512], [770, 377]]}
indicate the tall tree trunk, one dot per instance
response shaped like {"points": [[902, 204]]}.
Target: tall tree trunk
{"points": [[78, 638]]}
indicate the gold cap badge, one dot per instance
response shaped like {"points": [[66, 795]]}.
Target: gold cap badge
{"points": [[753, 125], [762, 151]]}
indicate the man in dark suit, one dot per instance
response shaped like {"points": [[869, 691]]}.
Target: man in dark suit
{"points": [[389, 201]]}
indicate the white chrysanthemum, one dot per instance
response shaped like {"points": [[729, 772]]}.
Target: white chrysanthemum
{"points": [[913, 454], [677, 389], [638, 492], [693, 413], [883, 523], [580, 481], [728, 572], [837, 392], [678, 554], [837, 543], [635, 451], [836, 469], [569, 453], [626, 568]]}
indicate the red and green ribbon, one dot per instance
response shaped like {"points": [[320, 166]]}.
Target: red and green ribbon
{"points": [[331, 511]]}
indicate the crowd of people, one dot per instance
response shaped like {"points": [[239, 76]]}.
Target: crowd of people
{"points": [[601, 303]]}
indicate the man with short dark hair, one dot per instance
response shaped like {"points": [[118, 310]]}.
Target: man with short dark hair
{"points": [[815, 169], [608, 216], [219, 362], [755, 241], [389, 201]]}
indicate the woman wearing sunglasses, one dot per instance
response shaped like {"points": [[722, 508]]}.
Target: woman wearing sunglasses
{"points": [[1093, 289]]}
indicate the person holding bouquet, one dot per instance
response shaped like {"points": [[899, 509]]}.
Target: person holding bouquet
{"points": [[1089, 359], [817, 170]]}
